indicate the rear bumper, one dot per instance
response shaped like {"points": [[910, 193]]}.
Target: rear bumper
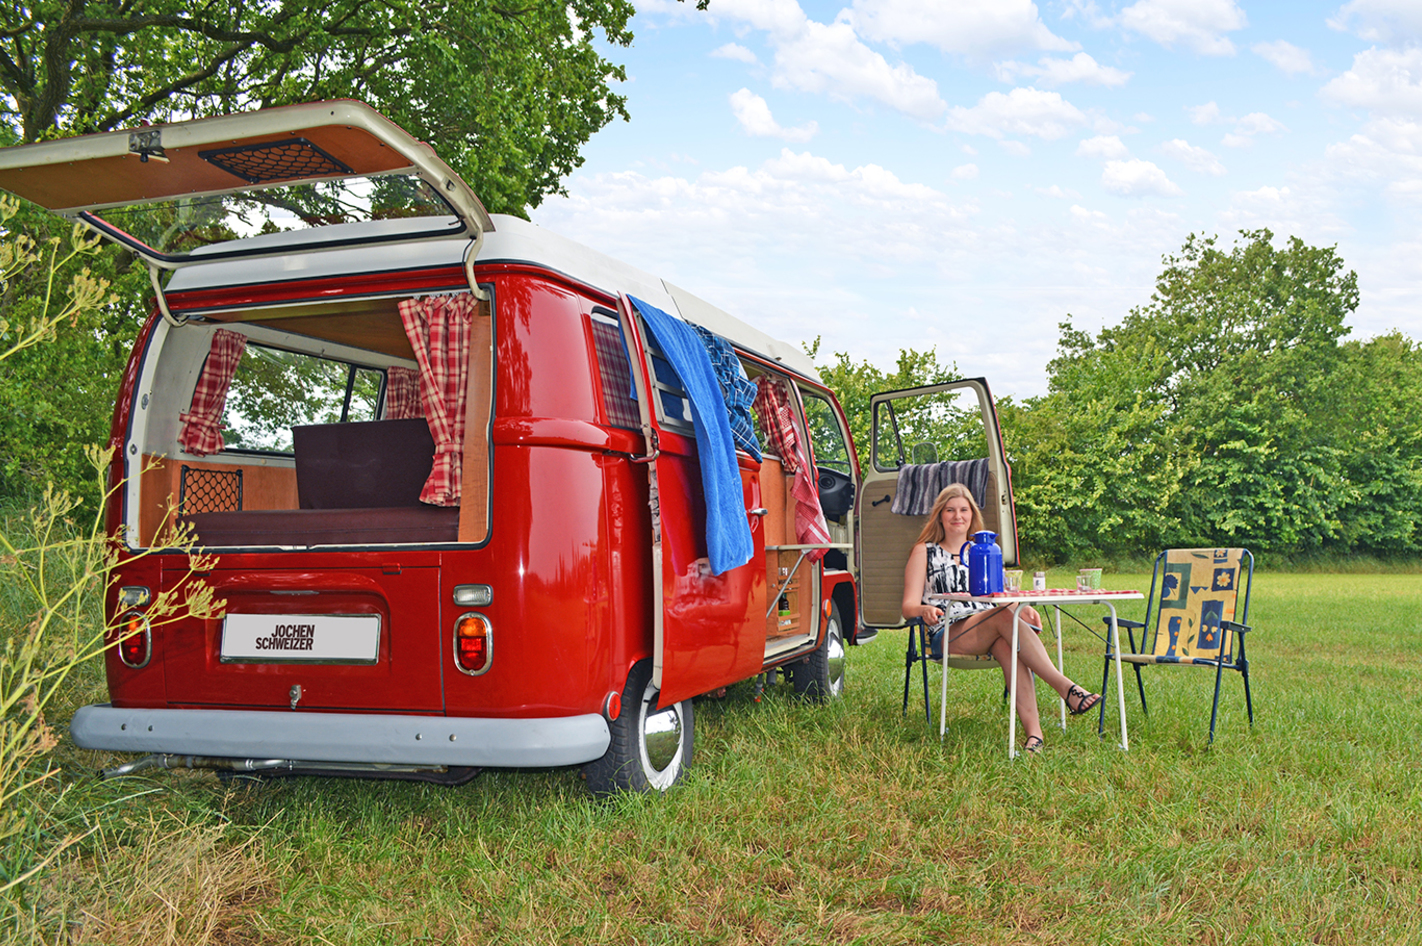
{"points": [[344, 737]]}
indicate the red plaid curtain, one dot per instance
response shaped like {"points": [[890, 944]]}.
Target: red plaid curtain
{"points": [[438, 328], [772, 402], [202, 422], [402, 393]]}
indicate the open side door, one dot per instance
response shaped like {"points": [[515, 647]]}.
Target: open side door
{"points": [[955, 421], [708, 630]]}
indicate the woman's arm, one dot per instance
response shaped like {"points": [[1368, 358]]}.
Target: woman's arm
{"points": [[915, 575]]}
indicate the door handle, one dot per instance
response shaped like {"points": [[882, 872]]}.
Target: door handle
{"points": [[880, 502]]}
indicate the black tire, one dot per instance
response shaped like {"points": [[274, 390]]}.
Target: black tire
{"points": [[650, 748], [820, 677]]}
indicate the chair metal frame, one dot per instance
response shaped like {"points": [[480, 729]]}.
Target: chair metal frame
{"points": [[918, 651], [1223, 660]]}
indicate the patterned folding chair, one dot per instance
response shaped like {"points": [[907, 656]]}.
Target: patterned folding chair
{"points": [[1195, 613]]}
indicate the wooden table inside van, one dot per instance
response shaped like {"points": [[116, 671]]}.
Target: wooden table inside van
{"points": [[1055, 597]]}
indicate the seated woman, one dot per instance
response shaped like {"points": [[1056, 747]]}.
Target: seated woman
{"points": [[933, 568]]}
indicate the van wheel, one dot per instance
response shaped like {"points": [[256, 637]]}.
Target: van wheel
{"points": [[822, 677], [650, 747]]}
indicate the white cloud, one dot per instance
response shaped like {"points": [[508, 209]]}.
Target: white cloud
{"points": [[1106, 147], [1015, 148], [1196, 24], [802, 247], [829, 58], [1057, 191], [1020, 112], [1194, 158], [1255, 123], [1206, 114], [1052, 72], [1384, 81], [1285, 56], [1258, 123], [964, 172], [1386, 151], [755, 118], [972, 28], [1137, 178], [736, 52], [1381, 21]]}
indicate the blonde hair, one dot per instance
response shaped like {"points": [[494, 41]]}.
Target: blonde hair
{"points": [[933, 530]]}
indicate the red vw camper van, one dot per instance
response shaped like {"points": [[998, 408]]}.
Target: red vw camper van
{"points": [[477, 495]]}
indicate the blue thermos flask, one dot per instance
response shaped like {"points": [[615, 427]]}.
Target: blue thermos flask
{"points": [[984, 560]]}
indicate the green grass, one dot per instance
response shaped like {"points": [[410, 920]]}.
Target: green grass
{"points": [[843, 824]]}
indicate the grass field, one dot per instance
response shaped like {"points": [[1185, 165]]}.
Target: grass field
{"points": [[849, 823]]}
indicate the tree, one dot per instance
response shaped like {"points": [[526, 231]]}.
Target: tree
{"points": [[854, 383], [1243, 433], [508, 93]]}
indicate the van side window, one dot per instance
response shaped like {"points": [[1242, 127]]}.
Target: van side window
{"points": [[615, 371], [676, 407], [825, 433], [275, 390]]}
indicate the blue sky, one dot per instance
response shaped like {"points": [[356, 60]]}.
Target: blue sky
{"points": [[966, 174]]}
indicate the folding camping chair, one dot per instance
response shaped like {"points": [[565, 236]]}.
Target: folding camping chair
{"points": [[918, 651], [1192, 620]]}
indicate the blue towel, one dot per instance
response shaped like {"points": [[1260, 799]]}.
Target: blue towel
{"points": [[728, 536]]}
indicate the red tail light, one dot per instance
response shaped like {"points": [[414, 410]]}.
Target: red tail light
{"points": [[135, 646], [473, 643]]}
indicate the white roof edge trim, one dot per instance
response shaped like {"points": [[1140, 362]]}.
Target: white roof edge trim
{"points": [[196, 133], [695, 309]]}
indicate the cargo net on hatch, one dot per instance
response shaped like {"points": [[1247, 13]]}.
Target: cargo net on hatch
{"points": [[275, 161]]}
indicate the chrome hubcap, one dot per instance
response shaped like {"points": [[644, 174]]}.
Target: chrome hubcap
{"points": [[661, 740], [835, 656]]}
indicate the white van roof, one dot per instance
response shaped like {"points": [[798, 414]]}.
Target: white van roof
{"points": [[512, 240]]}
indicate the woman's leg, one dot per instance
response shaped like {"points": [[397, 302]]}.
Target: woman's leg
{"points": [[986, 629], [1026, 692]]}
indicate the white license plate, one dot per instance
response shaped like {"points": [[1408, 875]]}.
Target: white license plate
{"points": [[301, 638]]}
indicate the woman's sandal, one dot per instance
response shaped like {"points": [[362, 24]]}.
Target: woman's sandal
{"points": [[1085, 702], [1033, 744]]}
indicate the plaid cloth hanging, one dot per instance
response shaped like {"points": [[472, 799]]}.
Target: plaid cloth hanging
{"points": [[202, 422], [772, 402], [736, 389], [402, 393], [439, 329]]}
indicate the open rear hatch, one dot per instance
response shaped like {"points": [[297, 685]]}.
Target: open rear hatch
{"points": [[182, 193]]}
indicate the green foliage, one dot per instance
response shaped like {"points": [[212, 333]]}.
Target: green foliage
{"points": [[57, 398], [854, 383], [508, 94], [53, 571], [1227, 410]]}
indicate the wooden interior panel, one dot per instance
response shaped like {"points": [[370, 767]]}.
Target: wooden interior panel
{"points": [[772, 497], [263, 487], [790, 620], [124, 178], [369, 324], [474, 496]]}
